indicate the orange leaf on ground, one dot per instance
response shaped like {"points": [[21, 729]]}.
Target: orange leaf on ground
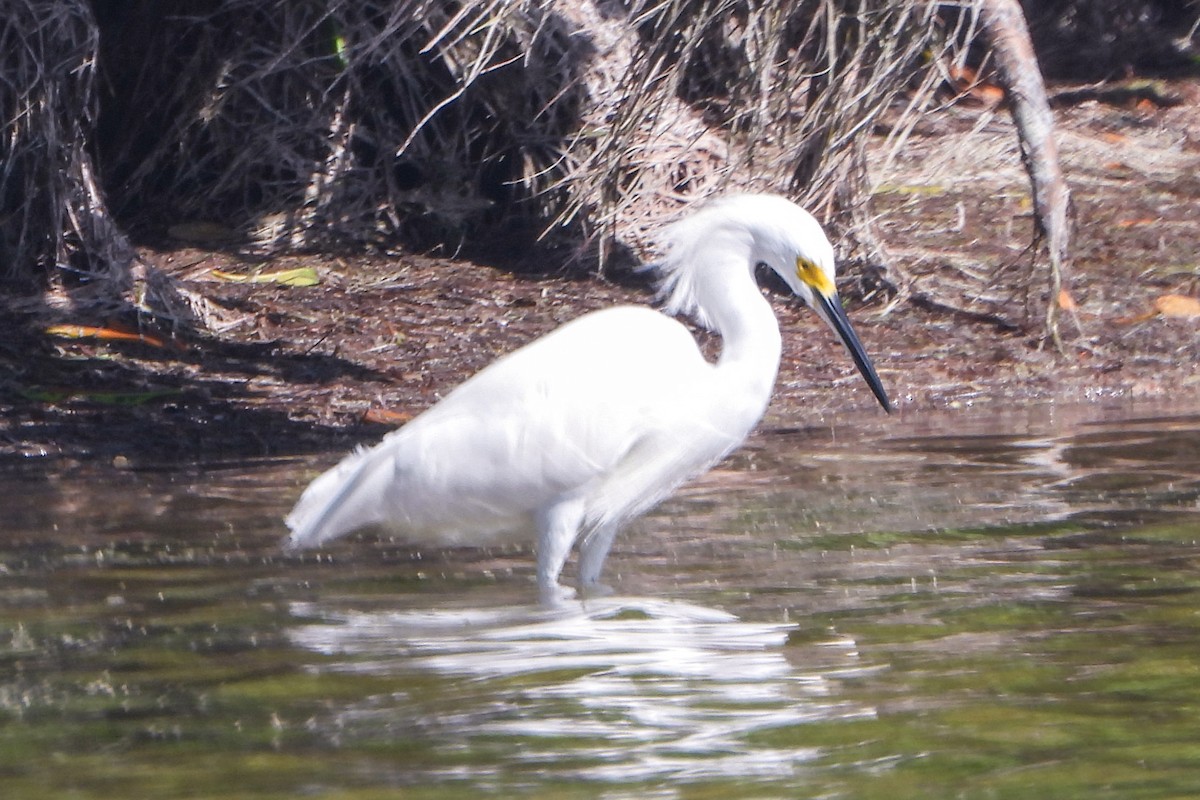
{"points": [[384, 416], [1178, 305], [967, 81], [1135, 318], [1133, 223], [109, 334], [1065, 301]]}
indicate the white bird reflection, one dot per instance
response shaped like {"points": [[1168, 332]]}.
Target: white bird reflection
{"points": [[619, 689]]}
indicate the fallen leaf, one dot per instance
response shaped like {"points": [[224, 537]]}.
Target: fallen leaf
{"points": [[301, 276], [1136, 318], [54, 396], [109, 334], [1178, 305], [967, 81], [908, 189], [1065, 301], [1132, 223], [385, 416], [127, 398], [45, 395]]}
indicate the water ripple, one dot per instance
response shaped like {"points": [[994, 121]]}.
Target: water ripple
{"points": [[577, 685]]}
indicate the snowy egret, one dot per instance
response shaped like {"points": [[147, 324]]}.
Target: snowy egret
{"points": [[591, 425]]}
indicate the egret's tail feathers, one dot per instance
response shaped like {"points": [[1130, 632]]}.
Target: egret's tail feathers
{"points": [[327, 509]]}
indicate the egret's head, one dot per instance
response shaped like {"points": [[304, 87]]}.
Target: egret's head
{"points": [[771, 230], [791, 242]]}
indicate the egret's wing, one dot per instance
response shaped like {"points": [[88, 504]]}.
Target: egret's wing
{"points": [[551, 418], [655, 467], [454, 476]]}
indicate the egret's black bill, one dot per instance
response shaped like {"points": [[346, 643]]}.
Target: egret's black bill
{"points": [[835, 315]]}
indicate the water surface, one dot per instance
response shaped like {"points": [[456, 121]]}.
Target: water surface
{"points": [[969, 605]]}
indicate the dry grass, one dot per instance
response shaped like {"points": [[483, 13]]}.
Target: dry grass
{"points": [[712, 95]]}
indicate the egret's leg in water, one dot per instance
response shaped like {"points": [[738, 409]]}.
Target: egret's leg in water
{"points": [[558, 525], [592, 552]]}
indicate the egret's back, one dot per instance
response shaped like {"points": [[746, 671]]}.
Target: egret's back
{"points": [[553, 418]]}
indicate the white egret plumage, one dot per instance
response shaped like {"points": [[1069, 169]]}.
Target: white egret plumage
{"points": [[589, 426]]}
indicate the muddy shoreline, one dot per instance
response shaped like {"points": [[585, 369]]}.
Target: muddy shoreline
{"points": [[310, 369]]}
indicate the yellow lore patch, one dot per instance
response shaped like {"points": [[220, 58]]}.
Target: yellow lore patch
{"points": [[815, 277]]}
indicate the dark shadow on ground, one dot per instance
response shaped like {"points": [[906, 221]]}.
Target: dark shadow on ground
{"points": [[183, 401]]}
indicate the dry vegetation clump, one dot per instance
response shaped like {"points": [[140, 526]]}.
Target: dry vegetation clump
{"points": [[337, 123], [485, 127], [53, 217], [270, 126], [760, 96]]}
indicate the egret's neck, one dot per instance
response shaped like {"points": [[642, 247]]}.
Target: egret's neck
{"points": [[749, 330]]}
